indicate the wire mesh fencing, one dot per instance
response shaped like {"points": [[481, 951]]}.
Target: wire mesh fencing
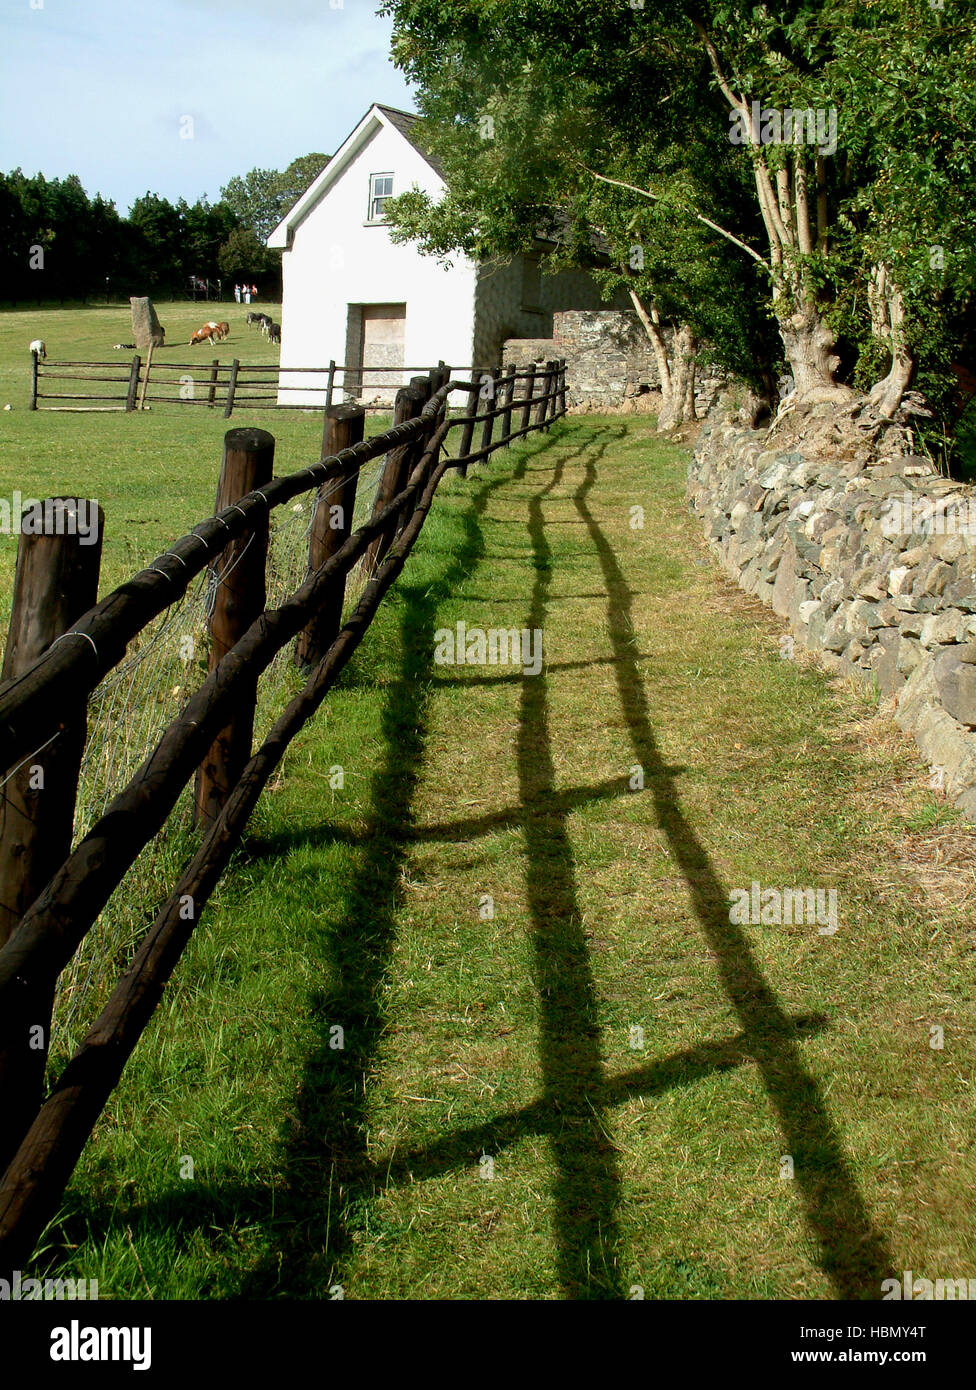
{"points": [[127, 715]]}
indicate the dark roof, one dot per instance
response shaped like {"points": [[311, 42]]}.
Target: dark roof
{"points": [[406, 122]]}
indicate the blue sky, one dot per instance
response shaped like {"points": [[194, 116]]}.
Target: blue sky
{"points": [[101, 88]]}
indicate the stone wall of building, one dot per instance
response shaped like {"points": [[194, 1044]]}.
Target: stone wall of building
{"points": [[608, 358], [873, 566]]}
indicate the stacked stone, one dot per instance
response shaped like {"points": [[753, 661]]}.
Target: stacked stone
{"points": [[609, 359], [874, 566]]}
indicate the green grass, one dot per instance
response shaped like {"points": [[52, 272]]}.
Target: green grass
{"points": [[155, 472], [511, 1036]]}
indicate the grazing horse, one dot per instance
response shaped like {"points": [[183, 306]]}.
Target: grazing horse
{"points": [[274, 333], [38, 346], [204, 334]]}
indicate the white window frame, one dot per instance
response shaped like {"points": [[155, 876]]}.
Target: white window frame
{"points": [[374, 197]]}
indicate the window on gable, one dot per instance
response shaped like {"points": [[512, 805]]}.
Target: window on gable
{"points": [[380, 188]]}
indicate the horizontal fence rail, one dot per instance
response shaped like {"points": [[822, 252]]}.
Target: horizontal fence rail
{"points": [[53, 893], [214, 384]]}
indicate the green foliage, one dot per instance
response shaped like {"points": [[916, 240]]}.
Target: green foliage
{"points": [[525, 102], [261, 198], [87, 249], [253, 198], [244, 255]]}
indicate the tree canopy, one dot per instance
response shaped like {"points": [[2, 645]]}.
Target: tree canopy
{"points": [[796, 186], [60, 243]]}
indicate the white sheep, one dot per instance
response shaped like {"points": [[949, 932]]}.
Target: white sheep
{"points": [[38, 346]]}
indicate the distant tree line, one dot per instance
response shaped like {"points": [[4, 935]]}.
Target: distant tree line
{"points": [[58, 243]]}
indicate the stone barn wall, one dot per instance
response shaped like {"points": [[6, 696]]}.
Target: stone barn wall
{"points": [[608, 358]]}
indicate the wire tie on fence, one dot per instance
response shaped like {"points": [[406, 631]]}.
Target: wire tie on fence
{"points": [[77, 634], [154, 569], [194, 537], [175, 557], [243, 513]]}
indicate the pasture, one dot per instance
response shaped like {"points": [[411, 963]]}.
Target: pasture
{"points": [[153, 472], [595, 1087]]}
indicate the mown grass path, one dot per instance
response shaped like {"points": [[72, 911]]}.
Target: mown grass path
{"points": [[594, 1082]]}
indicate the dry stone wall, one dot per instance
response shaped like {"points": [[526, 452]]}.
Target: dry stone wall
{"points": [[874, 567]]}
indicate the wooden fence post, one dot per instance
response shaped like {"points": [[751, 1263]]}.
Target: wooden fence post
{"points": [[345, 426], [425, 387], [467, 429], [145, 379], [492, 404], [542, 409], [231, 388], [409, 400], [562, 385], [130, 399], [238, 601], [554, 387], [212, 392], [509, 387], [33, 395], [55, 582], [526, 419], [329, 392]]}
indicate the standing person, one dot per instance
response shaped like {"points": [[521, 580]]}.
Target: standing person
{"points": [[254, 291], [247, 294], [237, 293]]}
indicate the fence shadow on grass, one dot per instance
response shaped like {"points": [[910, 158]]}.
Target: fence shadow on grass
{"points": [[587, 1185], [309, 1226], [328, 1155], [329, 1179], [850, 1252]]}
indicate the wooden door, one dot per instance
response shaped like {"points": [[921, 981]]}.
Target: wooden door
{"points": [[382, 346]]}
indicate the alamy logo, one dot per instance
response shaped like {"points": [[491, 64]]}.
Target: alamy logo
{"points": [[27, 1290], [909, 515], [76, 1343], [757, 906], [498, 646], [909, 1287], [55, 516], [768, 125]]}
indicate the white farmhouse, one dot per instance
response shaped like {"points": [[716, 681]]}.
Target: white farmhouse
{"points": [[353, 296]]}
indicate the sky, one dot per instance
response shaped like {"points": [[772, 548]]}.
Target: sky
{"points": [[176, 96]]}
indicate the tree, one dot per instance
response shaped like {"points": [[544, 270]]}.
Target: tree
{"points": [[827, 145], [254, 200], [300, 175], [243, 256], [535, 136]]}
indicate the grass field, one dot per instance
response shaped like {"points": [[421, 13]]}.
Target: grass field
{"points": [[154, 473], [561, 1071]]}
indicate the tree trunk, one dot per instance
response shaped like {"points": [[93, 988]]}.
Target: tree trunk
{"points": [[680, 409], [809, 345], [675, 369], [888, 322]]}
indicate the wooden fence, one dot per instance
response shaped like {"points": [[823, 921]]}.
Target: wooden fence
{"points": [[142, 383], [56, 656]]}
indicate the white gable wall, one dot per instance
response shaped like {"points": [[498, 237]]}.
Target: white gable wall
{"points": [[336, 261]]}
